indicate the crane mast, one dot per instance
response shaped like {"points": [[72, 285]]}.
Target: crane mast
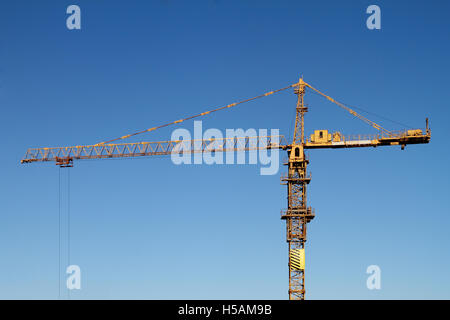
{"points": [[297, 214]]}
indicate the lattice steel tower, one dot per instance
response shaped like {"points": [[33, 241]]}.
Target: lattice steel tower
{"points": [[297, 214]]}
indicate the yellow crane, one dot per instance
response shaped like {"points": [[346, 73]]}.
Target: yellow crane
{"points": [[297, 214]]}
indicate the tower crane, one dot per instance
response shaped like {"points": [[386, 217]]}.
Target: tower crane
{"points": [[297, 214]]}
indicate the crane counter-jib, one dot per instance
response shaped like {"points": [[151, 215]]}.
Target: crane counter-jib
{"points": [[404, 138]]}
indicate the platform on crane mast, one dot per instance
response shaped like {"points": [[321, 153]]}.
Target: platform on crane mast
{"points": [[307, 213]]}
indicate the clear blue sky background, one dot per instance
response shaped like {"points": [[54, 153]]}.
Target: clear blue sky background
{"points": [[147, 228]]}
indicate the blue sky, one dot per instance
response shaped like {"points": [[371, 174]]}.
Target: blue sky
{"points": [[149, 229]]}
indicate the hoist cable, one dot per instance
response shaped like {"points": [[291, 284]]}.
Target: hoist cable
{"points": [[59, 233], [351, 111], [370, 112], [68, 216], [200, 114]]}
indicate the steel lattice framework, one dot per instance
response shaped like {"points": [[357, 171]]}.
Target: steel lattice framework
{"points": [[297, 214], [66, 155]]}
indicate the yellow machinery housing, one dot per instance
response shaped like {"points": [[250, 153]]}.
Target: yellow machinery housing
{"points": [[320, 136]]}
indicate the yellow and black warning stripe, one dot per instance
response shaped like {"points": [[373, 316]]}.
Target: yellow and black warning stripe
{"points": [[297, 259]]}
